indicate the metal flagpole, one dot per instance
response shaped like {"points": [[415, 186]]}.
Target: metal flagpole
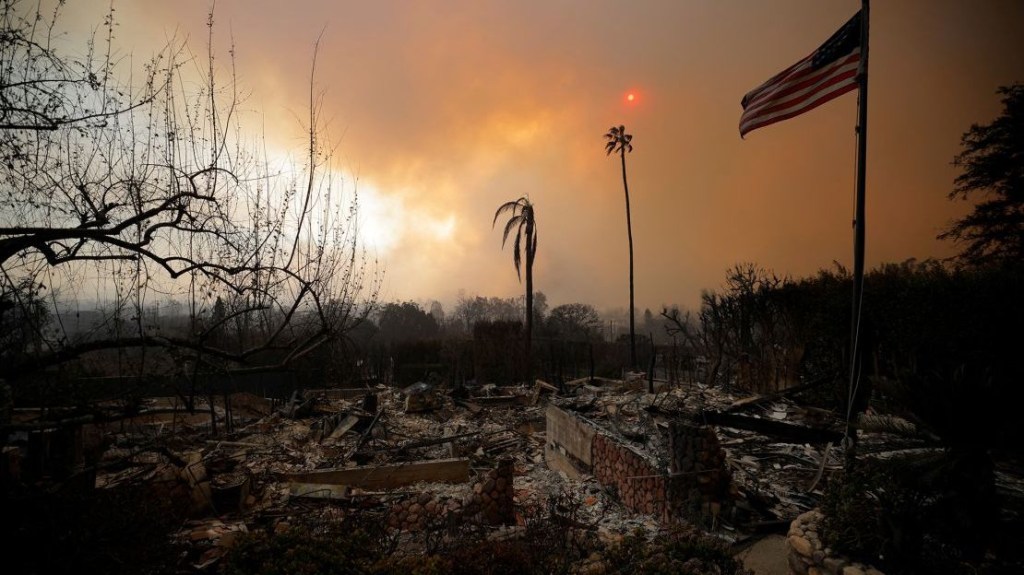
{"points": [[858, 236]]}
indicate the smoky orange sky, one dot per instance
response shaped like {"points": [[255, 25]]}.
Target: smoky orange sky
{"points": [[446, 109]]}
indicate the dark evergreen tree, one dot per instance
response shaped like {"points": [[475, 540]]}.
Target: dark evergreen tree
{"points": [[992, 161]]}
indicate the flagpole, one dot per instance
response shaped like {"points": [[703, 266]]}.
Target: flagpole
{"points": [[858, 235]]}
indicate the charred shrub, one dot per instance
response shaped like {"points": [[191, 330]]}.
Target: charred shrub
{"points": [[118, 530], [906, 516], [330, 549], [678, 550]]}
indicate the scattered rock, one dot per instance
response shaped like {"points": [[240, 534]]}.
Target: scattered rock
{"points": [[801, 546]]}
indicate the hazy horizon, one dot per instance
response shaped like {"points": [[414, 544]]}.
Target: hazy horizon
{"points": [[443, 111]]}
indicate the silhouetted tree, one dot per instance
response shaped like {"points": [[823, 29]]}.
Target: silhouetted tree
{"points": [[24, 319], [992, 161], [575, 322], [437, 312], [746, 326], [41, 89], [472, 309], [406, 321], [619, 141], [145, 182], [523, 221], [540, 307]]}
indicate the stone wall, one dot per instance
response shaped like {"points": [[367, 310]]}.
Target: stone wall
{"points": [[640, 485], [808, 555], [489, 503], [701, 484], [695, 484]]}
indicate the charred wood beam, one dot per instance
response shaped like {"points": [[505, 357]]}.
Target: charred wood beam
{"points": [[387, 476], [48, 424], [786, 432], [788, 392]]}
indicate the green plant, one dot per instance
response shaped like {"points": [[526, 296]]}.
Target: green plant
{"points": [[852, 512], [894, 515]]}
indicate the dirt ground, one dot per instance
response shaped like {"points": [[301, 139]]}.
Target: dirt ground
{"points": [[766, 557]]}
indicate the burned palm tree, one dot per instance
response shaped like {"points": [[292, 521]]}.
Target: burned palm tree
{"points": [[521, 220], [619, 142]]}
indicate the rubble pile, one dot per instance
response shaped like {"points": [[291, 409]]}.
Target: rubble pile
{"points": [[770, 468], [489, 502], [617, 458], [807, 554]]}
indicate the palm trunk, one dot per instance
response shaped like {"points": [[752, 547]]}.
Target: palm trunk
{"points": [[629, 232], [529, 299]]}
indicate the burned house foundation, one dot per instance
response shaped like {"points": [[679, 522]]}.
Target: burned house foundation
{"points": [[689, 480], [489, 502], [603, 458]]}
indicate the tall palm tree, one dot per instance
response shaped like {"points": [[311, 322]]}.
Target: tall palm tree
{"points": [[619, 141], [524, 223]]}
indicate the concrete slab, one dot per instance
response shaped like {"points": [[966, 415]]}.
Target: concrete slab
{"points": [[572, 434]]}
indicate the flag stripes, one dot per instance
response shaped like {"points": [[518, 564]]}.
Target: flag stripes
{"points": [[828, 73]]}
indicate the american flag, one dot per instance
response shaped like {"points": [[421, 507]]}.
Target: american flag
{"points": [[828, 73]]}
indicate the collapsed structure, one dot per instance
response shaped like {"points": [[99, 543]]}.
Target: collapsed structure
{"points": [[423, 457], [694, 483]]}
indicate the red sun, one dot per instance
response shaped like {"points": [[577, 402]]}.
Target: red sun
{"points": [[631, 97]]}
